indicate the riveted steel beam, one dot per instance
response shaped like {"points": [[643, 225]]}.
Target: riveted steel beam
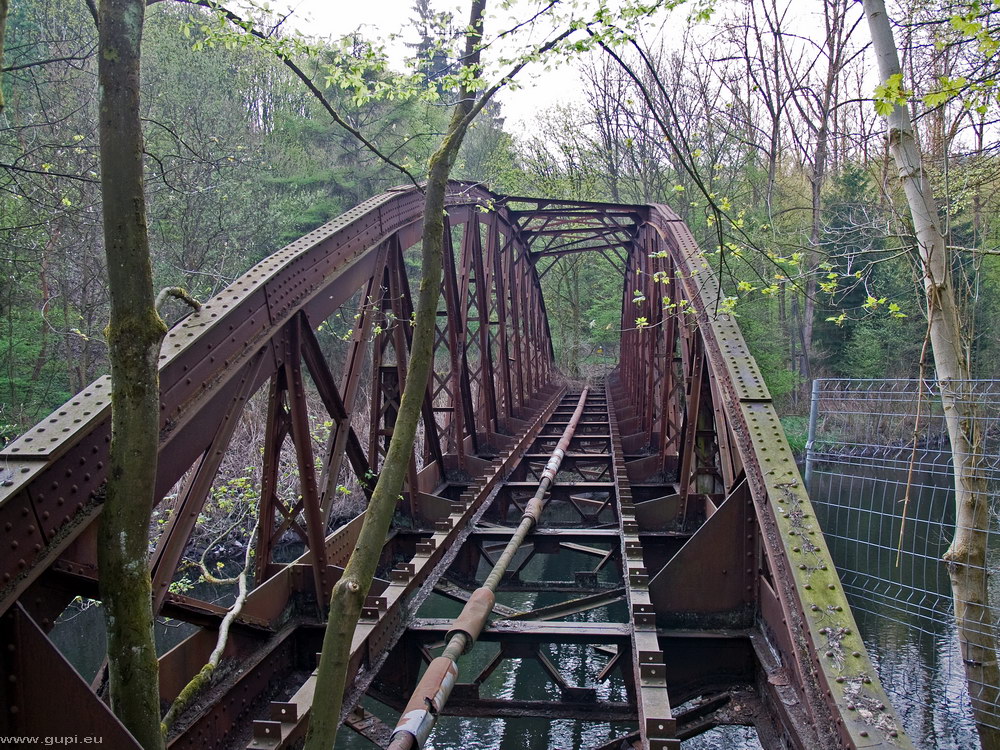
{"points": [[690, 472]]}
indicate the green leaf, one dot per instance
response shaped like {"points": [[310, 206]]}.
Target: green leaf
{"points": [[890, 94]]}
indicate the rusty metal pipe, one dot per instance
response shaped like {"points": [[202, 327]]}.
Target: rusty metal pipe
{"points": [[431, 693], [533, 510]]}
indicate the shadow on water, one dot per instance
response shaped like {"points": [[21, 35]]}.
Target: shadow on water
{"points": [[904, 608]]}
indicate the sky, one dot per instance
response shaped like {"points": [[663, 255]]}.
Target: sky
{"points": [[537, 90], [379, 19]]}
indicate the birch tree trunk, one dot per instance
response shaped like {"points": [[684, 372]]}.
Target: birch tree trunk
{"points": [[966, 557], [350, 591], [134, 333]]}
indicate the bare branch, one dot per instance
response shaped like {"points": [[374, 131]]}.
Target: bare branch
{"points": [[238, 21], [48, 61], [176, 292]]}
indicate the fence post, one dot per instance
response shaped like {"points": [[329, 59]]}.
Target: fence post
{"points": [[811, 436]]}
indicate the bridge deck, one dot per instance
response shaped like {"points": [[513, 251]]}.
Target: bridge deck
{"points": [[700, 577]]}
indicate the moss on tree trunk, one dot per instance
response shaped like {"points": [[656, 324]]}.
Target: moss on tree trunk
{"points": [[350, 591], [134, 334]]}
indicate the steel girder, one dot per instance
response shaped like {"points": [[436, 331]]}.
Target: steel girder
{"points": [[259, 333], [710, 526]]}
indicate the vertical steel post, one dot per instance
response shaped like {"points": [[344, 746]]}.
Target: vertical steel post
{"points": [[308, 489], [503, 290], [488, 402], [811, 437], [274, 435]]}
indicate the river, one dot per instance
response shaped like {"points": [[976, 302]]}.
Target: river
{"points": [[898, 611], [898, 587]]}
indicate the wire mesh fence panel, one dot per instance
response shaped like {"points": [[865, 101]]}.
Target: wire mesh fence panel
{"points": [[879, 469]]}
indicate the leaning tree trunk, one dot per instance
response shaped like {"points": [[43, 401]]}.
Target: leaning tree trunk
{"points": [[134, 334], [966, 557], [350, 591]]}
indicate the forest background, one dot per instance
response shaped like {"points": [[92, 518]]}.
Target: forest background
{"points": [[758, 122], [760, 131]]}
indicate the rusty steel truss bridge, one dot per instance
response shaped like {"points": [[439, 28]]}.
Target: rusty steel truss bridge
{"points": [[677, 504]]}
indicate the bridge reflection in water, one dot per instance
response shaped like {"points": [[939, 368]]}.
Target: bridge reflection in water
{"points": [[678, 514]]}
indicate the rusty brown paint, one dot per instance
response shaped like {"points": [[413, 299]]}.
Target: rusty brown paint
{"points": [[253, 334]]}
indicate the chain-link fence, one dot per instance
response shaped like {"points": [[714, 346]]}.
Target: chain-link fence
{"points": [[879, 472]]}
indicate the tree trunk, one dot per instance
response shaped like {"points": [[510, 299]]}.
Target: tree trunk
{"points": [[350, 591], [966, 557], [574, 312], [834, 12], [43, 302], [799, 351], [4, 7], [134, 335]]}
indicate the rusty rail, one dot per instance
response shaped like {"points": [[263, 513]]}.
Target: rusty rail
{"points": [[431, 694], [725, 568]]}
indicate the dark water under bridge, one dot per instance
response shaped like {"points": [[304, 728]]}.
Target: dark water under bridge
{"points": [[678, 493]]}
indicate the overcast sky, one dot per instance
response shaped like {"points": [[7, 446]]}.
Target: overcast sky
{"points": [[380, 19], [538, 90]]}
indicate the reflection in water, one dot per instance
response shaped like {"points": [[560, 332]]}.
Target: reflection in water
{"points": [[904, 610], [82, 638]]}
